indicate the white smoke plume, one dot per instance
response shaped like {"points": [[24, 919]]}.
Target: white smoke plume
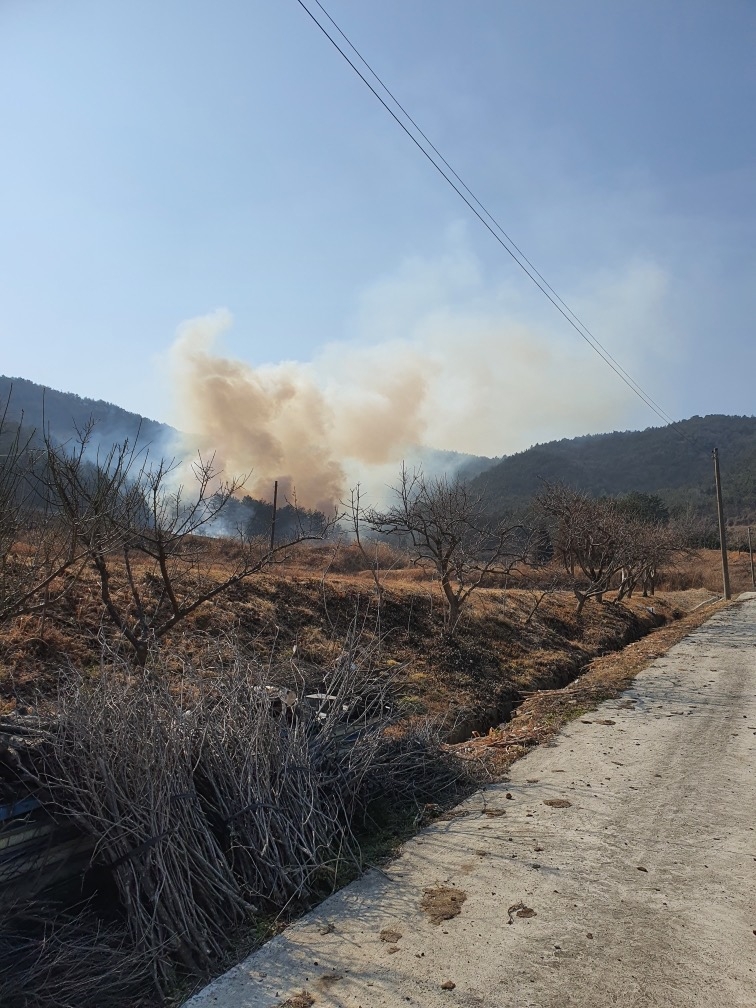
{"points": [[437, 361]]}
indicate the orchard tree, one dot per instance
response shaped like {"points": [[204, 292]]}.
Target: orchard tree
{"points": [[648, 548], [590, 536], [447, 528], [144, 528]]}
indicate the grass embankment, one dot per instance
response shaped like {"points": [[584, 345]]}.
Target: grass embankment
{"points": [[311, 601], [543, 713], [497, 653]]}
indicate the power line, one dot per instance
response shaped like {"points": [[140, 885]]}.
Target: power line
{"points": [[495, 229], [470, 193]]}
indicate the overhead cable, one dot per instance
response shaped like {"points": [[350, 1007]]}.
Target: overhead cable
{"points": [[483, 214]]}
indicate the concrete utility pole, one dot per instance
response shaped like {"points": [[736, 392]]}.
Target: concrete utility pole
{"points": [[722, 530], [750, 554]]}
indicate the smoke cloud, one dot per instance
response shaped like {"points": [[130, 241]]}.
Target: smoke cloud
{"points": [[437, 360]]}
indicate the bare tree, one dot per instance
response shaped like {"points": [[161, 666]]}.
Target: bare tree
{"points": [[355, 512], [146, 535], [590, 537], [648, 547], [448, 529]]}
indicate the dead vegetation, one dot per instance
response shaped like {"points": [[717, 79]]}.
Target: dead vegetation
{"points": [[216, 798], [52, 958]]}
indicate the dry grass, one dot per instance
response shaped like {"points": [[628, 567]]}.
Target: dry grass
{"points": [[346, 558], [306, 604], [703, 569]]}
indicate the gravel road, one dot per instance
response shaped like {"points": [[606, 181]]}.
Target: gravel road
{"points": [[636, 887]]}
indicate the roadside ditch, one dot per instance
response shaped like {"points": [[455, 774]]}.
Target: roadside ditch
{"points": [[479, 719]]}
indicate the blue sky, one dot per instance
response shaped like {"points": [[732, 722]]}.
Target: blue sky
{"points": [[166, 158]]}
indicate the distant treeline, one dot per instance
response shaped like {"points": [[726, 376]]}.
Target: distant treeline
{"points": [[254, 518]]}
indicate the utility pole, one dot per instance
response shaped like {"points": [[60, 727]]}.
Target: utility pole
{"points": [[273, 520], [722, 530], [750, 554]]}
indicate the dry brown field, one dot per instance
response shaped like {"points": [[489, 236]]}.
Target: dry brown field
{"points": [[304, 608]]}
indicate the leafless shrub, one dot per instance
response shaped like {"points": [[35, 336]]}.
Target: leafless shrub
{"points": [[278, 774], [415, 767], [372, 552], [121, 767], [539, 590]]}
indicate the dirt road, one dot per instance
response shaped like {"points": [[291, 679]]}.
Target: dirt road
{"points": [[636, 886]]}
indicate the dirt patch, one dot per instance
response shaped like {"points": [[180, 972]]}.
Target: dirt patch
{"points": [[557, 803], [390, 935], [301, 1000], [327, 980], [519, 910], [442, 903]]}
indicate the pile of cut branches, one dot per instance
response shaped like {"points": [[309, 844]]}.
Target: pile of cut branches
{"points": [[230, 795], [50, 958]]}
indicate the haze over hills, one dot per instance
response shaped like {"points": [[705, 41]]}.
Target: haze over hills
{"points": [[673, 462]]}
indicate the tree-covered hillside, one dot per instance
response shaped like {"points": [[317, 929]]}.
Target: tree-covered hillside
{"points": [[63, 412], [657, 460]]}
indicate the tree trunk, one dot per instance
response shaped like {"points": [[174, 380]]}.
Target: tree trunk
{"points": [[453, 603]]}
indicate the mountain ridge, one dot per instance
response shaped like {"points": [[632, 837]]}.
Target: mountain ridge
{"points": [[656, 460], [64, 413]]}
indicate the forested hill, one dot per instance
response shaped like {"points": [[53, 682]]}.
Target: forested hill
{"points": [[657, 460], [63, 412]]}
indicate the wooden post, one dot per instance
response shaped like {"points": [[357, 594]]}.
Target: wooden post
{"points": [[273, 519], [750, 554], [722, 529]]}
